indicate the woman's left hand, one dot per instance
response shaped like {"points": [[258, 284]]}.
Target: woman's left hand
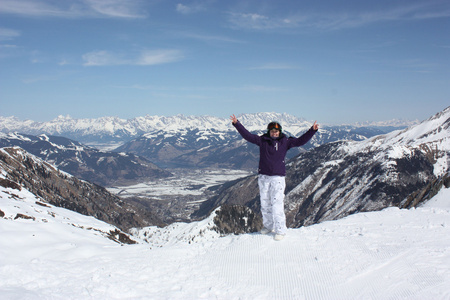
{"points": [[315, 126]]}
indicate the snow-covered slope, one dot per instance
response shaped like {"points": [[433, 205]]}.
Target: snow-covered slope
{"points": [[345, 177], [46, 223], [22, 170], [391, 254], [431, 136]]}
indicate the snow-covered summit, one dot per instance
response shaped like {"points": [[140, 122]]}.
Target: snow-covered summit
{"points": [[431, 137], [435, 130], [118, 127], [139, 125]]}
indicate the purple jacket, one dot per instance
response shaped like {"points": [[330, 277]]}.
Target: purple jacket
{"points": [[272, 152]]}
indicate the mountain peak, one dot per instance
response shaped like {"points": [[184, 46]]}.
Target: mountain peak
{"points": [[63, 118], [435, 129]]}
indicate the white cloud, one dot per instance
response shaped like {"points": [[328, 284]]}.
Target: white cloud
{"points": [[73, 8], [338, 19], [8, 34], [211, 38], [145, 58], [8, 50], [7, 46], [26, 7], [156, 57], [63, 62], [190, 9], [102, 58], [183, 9], [116, 8], [254, 21]]}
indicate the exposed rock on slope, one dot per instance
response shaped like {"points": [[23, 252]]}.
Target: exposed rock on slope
{"points": [[428, 192], [341, 178], [17, 204], [61, 189], [236, 219]]}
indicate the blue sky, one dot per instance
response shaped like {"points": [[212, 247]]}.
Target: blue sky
{"points": [[331, 61]]}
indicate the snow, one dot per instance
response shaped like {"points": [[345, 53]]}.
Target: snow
{"points": [[441, 200], [430, 136], [391, 254], [146, 124]]}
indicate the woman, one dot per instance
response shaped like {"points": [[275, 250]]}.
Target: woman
{"points": [[273, 147]]}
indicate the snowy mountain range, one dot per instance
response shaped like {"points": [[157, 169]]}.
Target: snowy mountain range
{"points": [[101, 167], [50, 252], [221, 146], [345, 177], [187, 141], [107, 129], [334, 166], [117, 130]]}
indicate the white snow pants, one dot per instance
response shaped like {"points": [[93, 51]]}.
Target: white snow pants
{"points": [[271, 191]]}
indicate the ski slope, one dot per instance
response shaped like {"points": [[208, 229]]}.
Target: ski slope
{"points": [[391, 254]]}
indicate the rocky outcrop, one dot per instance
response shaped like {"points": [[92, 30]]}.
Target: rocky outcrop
{"points": [[428, 192], [329, 183], [243, 192], [63, 190], [236, 219]]}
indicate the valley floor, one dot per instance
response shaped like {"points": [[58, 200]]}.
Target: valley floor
{"points": [[391, 254], [177, 197], [185, 182]]}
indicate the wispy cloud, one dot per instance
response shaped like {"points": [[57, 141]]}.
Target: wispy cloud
{"points": [[30, 8], [406, 13], [73, 8], [145, 58], [210, 38], [338, 19], [8, 50], [416, 65], [45, 77], [156, 57], [191, 8], [262, 88], [257, 21], [8, 34], [102, 58], [116, 8], [274, 66]]}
